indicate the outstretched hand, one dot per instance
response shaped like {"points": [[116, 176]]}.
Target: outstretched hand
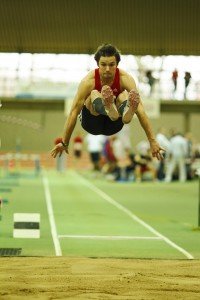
{"points": [[58, 150], [157, 150]]}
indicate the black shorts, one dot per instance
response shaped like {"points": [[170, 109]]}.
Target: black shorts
{"points": [[99, 124]]}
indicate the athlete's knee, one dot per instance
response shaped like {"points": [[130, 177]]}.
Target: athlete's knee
{"points": [[94, 94], [89, 105]]}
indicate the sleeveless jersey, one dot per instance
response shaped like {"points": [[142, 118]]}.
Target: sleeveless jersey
{"points": [[115, 86]]}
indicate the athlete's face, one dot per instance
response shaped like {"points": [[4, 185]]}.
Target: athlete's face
{"points": [[107, 67]]}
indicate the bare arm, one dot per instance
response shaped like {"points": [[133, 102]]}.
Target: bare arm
{"points": [[128, 83], [80, 97], [72, 118], [145, 123]]}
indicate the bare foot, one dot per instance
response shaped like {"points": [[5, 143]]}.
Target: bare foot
{"points": [[108, 102], [131, 106]]}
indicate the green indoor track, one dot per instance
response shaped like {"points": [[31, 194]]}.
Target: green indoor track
{"points": [[86, 216]]}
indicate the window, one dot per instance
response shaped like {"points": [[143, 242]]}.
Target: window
{"points": [[57, 75]]}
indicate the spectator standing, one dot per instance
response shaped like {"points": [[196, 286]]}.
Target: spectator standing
{"points": [[150, 80], [110, 165], [95, 147], [178, 153], [187, 79], [174, 78]]}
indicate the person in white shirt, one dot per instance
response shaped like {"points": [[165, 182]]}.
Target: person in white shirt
{"points": [[95, 146], [178, 153]]}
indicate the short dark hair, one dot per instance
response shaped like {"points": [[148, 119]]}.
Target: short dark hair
{"points": [[107, 50]]}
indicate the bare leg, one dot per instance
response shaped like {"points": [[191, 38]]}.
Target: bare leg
{"points": [[89, 103], [131, 106]]}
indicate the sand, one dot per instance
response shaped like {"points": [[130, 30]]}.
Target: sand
{"points": [[90, 278]]}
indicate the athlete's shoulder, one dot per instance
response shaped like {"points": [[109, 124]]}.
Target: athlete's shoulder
{"points": [[122, 72], [126, 80], [91, 73], [88, 81], [125, 75]]}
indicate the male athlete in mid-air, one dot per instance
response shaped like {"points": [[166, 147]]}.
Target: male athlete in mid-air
{"points": [[106, 99]]}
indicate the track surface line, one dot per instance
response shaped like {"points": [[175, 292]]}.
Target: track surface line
{"points": [[54, 234], [134, 217]]}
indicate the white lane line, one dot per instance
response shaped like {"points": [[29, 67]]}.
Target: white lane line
{"points": [[107, 237], [54, 234], [134, 217]]}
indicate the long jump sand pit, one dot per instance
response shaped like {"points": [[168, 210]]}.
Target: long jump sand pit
{"points": [[102, 278]]}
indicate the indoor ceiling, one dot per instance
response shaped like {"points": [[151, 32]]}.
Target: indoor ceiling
{"points": [[140, 27]]}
